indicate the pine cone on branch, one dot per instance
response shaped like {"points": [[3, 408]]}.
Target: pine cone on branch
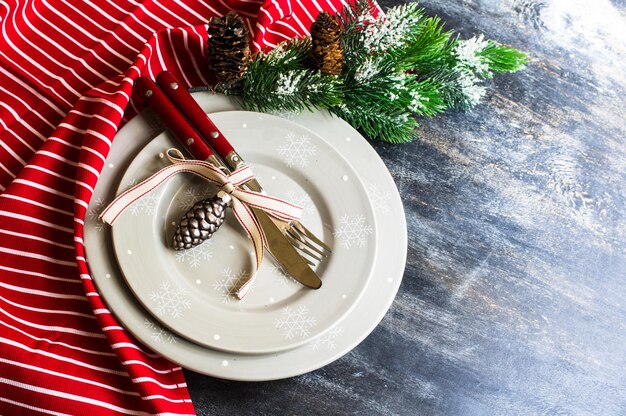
{"points": [[229, 49], [327, 47]]}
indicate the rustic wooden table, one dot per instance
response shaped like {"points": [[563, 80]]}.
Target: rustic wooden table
{"points": [[513, 299]]}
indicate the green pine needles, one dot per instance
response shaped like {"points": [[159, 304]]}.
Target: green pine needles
{"points": [[281, 81], [396, 67]]}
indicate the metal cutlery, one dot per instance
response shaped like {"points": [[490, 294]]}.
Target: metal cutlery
{"points": [[281, 248], [309, 245]]}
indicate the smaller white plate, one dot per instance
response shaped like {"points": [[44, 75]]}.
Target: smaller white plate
{"points": [[192, 292]]}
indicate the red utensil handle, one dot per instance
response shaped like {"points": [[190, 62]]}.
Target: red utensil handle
{"points": [[190, 108], [150, 93]]}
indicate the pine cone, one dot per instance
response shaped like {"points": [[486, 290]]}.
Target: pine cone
{"points": [[200, 222], [229, 50], [327, 47]]}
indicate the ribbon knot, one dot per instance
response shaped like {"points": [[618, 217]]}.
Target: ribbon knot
{"points": [[242, 200], [228, 187]]}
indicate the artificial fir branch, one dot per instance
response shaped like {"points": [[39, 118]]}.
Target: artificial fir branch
{"points": [[377, 83], [407, 40], [502, 59], [431, 49], [426, 98], [396, 66], [281, 81], [291, 54], [459, 88], [353, 20], [293, 90], [387, 124]]}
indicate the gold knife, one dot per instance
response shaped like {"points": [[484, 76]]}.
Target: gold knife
{"points": [[285, 254]]}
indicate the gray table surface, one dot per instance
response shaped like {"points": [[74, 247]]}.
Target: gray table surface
{"points": [[513, 299]]}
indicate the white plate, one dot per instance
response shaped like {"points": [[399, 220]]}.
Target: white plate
{"points": [[193, 292], [356, 325]]}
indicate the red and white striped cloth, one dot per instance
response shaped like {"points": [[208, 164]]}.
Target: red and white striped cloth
{"points": [[66, 75]]}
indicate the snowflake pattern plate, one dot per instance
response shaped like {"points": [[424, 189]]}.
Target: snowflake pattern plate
{"points": [[192, 292], [391, 238]]}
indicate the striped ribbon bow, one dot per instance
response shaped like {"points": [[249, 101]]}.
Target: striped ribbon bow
{"points": [[241, 200]]}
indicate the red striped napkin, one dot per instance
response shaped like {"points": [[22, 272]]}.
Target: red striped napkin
{"points": [[66, 75]]}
